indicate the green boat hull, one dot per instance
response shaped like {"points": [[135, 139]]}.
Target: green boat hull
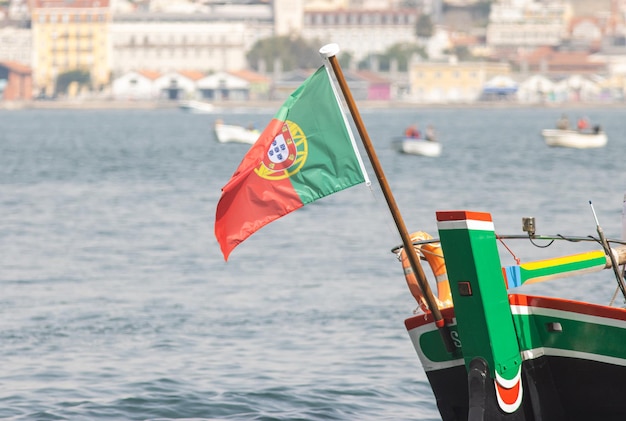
{"points": [[573, 361]]}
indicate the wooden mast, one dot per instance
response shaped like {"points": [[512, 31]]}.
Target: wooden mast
{"points": [[329, 52]]}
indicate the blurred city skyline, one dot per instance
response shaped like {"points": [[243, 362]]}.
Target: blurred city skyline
{"points": [[94, 42]]}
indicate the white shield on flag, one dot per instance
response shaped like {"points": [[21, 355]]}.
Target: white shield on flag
{"points": [[282, 151]]}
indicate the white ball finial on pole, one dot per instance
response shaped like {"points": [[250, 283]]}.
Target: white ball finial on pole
{"points": [[329, 50]]}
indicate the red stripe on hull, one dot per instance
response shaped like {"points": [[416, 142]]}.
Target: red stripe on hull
{"points": [[568, 305], [532, 301], [427, 318]]}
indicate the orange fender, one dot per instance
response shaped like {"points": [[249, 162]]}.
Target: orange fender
{"points": [[434, 256]]}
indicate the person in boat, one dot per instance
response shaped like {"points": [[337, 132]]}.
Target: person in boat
{"points": [[430, 133], [412, 132], [563, 123], [583, 124]]}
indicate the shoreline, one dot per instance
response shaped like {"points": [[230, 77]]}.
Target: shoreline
{"points": [[273, 105]]}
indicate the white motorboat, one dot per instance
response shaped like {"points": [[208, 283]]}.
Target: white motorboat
{"points": [[417, 146], [574, 138], [197, 107], [227, 133]]}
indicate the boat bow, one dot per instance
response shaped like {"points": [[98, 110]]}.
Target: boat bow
{"points": [[516, 356]]}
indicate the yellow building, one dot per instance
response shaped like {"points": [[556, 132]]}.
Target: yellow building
{"points": [[71, 46], [452, 82]]}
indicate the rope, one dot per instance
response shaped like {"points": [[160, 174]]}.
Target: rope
{"points": [[517, 260]]}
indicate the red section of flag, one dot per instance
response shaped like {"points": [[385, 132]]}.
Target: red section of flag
{"points": [[250, 201]]}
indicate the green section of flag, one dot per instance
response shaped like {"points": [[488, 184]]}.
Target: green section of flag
{"points": [[331, 161]]}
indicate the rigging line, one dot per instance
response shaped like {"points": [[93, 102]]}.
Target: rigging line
{"points": [[383, 205], [540, 246], [614, 297], [517, 260], [607, 250], [562, 237], [432, 253]]}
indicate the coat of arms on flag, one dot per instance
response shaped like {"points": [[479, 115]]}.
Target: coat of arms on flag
{"points": [[282, 152]]}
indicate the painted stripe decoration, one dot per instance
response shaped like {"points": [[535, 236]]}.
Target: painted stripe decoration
{"points": [[579, 321], [509, 392], [531, 354], [548, 269], [453, 220], [542, 305], [567, 315]]}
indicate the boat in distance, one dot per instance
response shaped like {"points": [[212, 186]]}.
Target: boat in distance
{"points": [[499, 354], [574, 138], [196, 107], [414, 146], [229, 133]]}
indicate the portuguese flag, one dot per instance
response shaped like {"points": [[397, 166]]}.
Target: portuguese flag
{"points": [[306, 152]]}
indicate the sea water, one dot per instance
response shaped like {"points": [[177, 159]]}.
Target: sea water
{"points": [[116, 303]]}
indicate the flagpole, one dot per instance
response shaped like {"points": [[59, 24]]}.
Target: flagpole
{"points": [[329, 52]]}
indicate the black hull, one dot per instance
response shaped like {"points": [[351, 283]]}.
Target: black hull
{"points": [[555, 389]]}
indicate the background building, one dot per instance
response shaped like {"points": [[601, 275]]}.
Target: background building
{"points": [[70, 36], [452, 82], [15, 82], [16, 44], [361, 32]]}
